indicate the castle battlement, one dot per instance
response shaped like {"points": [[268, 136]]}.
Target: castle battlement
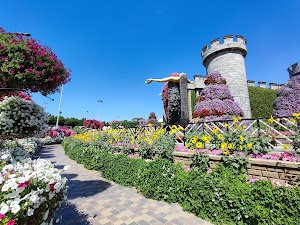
{"points": [[262, 84], [294, 70], [227, 42]]}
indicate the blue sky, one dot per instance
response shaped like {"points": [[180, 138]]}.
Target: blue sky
{"points": [[113, 46]]}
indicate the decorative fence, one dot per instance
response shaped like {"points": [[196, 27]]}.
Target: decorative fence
{"points": [[278, 131]]}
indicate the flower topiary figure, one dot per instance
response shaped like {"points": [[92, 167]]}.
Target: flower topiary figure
{"points": [[152, 119], [287, 101], [215, 101]]}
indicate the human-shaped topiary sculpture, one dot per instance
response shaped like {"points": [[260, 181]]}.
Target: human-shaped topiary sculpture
{"points": [[175, 100], [215, 101]]}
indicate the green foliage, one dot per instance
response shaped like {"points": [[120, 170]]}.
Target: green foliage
{"points": [[223, 196], [194, 99], [238, 163], [125, 124], [162, 148], [162, 180], [72, 122], [261, 101], [200, 162]]}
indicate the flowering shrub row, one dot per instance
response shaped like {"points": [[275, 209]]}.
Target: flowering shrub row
{"points": [[221, 196]]}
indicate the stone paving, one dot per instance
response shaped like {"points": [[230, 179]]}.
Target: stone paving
{"points": [[95, 200]]}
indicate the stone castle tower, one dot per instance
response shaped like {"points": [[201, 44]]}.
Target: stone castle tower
{"points": [[228, 58], [294, 70]]}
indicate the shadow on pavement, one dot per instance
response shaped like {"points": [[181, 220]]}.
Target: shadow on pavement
{"points": [[69, 214], [86, 188]]}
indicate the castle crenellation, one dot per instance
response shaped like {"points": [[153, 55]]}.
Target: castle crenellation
{"points": [[198, 84]]}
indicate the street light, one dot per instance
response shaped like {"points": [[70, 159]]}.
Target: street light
{"points": [[59, 105], [99, 101]]}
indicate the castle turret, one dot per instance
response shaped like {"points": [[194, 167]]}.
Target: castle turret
{"points": [[228, 58], [294, 70]]}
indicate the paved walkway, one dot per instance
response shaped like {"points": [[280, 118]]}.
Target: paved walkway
{"points": [[95, 200]]}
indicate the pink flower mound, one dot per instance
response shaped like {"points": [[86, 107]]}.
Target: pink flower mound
{"points": [[215, 101], [2, 216], [93, 124], [53, 134], [43, 71], [284, 156], [288, 98], [67, 133]]}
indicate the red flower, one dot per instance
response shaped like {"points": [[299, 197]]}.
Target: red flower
{"points": [[11, 222], [25, 184]]}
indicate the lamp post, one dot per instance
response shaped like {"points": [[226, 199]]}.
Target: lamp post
{"points": [[99, 101], [59, 105]]}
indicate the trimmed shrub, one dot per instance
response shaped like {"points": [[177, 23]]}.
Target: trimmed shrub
{"points": [[261, 101]]}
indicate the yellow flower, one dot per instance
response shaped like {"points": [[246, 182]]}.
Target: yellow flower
{"points": [[278, 119], [225, 152], [285, 147], [249, 145], [296, 115], [241, 138], [220, 136], [235, 119], [149, 124], [293, 120], [271, 119], [223, 145], [194, 141], [188, 145], [192, 149], [195, 137], [199, 145], [230, 146], [174, 127], [226, 125], [241, 147], [215, 129]]}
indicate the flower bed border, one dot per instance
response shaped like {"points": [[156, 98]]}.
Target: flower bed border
{"points": [[260, 168]]}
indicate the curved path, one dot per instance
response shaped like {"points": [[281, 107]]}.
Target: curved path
{"points": [[95, 200]]}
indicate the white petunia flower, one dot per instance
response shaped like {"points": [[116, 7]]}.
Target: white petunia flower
{"points": [[30, 212]]}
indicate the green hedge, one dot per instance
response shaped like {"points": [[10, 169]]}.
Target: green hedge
{"points": [[261, 101], [221, 196]]}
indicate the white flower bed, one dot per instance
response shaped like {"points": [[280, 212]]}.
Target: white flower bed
{"points": [[21, 118], [30, 190]]}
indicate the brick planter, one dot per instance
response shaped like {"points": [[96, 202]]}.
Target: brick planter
{"points": [[260, 168]]}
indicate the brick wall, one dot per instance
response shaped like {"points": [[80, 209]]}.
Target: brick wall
{"points": [[260, 168]]}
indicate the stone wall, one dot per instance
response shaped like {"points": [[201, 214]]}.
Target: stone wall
{"points": [[260, 168]]}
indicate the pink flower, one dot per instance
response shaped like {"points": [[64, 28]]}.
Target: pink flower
{"points": [[187, 168], [11, 222], [253, 180], [2, 216], [23, 185]]}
